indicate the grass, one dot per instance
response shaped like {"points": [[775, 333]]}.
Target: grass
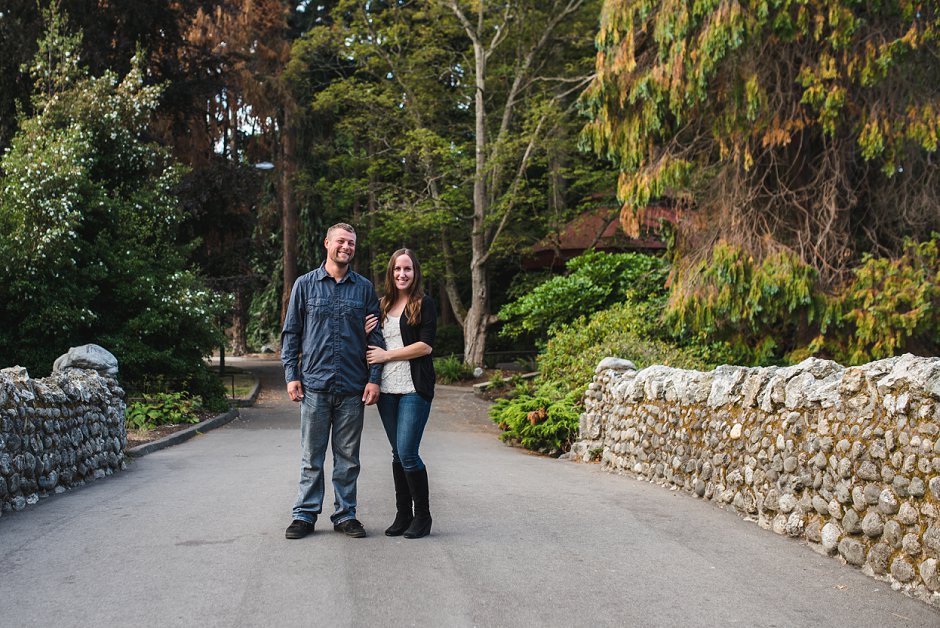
{"points": [[238, 385]]}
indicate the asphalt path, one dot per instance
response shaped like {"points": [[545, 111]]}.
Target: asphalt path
{"points": [[193, 535]]}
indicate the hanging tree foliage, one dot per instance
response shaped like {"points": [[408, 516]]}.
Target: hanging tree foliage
{"points": [[804, 125]]}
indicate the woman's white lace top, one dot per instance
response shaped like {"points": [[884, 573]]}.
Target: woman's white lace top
{"points": [[396, 375]]}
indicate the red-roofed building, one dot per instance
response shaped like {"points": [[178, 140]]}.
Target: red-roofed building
{"points": [[599, 228]]}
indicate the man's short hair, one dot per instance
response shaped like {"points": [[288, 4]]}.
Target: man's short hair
{"points": [[339, 225]]}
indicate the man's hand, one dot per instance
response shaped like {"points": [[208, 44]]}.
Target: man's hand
{"points": [[295, 391], [371, 394]]}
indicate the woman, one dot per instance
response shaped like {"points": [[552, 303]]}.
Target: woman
{"points": [[409, 324]]}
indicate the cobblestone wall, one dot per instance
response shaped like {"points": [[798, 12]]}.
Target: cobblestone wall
{"points": [[846, 458], [57, 432]]}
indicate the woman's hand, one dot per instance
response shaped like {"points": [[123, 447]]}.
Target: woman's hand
{"points": [[372, 321], [376, 355]]}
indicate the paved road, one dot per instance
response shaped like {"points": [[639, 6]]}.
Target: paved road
{"points": [[193, 535]]}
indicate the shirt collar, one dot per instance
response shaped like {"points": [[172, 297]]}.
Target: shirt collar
{"points": [[320, 274]]}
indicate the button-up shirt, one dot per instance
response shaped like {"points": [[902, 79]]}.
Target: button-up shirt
{"points": [[323, 343]]}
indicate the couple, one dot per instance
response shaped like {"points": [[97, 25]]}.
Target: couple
{"points": [[334, 353]]}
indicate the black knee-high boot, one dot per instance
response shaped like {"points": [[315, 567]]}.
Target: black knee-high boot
{"points": [[404, 515], [418, 483]]}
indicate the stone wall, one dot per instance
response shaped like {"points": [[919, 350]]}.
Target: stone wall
{"points": [[846, 458], [57, 432]]}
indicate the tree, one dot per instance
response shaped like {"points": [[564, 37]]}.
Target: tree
{"points": [[232, 111], [450, 115], [803, 126], [536, 30], [206, 70], [89, 229], [18, 33], [112, 34]]}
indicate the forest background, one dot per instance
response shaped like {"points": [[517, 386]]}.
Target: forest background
{"points": [[169, 168]]}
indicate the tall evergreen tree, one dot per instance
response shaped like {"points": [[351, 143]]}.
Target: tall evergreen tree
{"points": [[809, 127], [89, 229]]}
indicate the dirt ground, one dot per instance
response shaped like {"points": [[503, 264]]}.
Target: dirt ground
{"points": [[142, 437]]}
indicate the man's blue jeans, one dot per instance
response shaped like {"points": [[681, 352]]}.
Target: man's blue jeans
{"points": [[323, 415], [404, 418]]}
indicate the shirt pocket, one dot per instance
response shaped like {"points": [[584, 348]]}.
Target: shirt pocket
{"points": [[354, 309], [318, 308]]}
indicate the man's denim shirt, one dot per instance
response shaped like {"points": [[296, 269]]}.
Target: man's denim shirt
{"points": [[325, 330]]}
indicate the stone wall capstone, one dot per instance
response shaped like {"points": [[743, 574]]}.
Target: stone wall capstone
{"points": [[846, 458], [57, 432], [89, 356]]}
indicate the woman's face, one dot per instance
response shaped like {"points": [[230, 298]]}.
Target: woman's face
{"points": [[404, 273]]}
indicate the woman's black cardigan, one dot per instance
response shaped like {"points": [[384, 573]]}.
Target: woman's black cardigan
{"points": [[422, 369]]}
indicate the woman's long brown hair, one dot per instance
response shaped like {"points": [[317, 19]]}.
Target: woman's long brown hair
{"points": [[413, 308]]}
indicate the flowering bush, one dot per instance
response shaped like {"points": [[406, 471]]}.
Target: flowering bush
{"points": [[90, 249]]}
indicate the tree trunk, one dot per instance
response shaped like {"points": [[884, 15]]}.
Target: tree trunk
{"points": [[239, 322], [443, 304], [477, 319], [289, 214]]}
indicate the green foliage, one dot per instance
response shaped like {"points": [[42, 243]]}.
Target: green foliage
{"points": [[499, 381], [739, 311], [90, 249], [387, 110], [543, 423], [890, 306], [808, 124], [451, 369], [163, 409], [595, 281], [763, 310], [627, 330], [496, 380], [393, 88], [264, 314], [449, 340], [775, 312], [546, 419]]}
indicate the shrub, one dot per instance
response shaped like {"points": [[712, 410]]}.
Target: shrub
{"points": [[538, 422], [595, 281], [774, 311], [546, 419], [91, 248], [451, 369], [163, 409], [625, 330]]}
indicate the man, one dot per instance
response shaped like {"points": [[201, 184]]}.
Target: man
{"points": [[325, 325]]}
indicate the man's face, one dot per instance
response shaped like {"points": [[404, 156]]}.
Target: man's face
{"points": [[340, 247]]}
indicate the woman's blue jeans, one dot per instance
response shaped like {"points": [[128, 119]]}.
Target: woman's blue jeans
{"points": [[404, 418], [323, 415]]}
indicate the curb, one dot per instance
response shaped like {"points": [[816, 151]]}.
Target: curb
{"points": [[183, 435], [252, 396], [479, 389]]}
